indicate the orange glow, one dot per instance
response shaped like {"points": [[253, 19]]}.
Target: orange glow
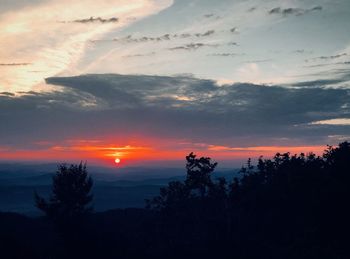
{"points": [[145, 151]]}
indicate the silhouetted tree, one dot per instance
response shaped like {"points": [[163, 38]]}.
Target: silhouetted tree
{"points": [[71, 193], [199, 172], [198, 181], [337, 160]]}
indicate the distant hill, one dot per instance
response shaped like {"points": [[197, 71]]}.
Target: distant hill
{"points": [[113, 187]]}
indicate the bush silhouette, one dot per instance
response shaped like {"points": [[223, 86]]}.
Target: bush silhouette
{"points": [[71, 194]]}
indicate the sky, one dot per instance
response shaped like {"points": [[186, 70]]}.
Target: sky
{"points": [[148, 81]]}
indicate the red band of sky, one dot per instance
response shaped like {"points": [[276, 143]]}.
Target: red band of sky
{"points": [[105, 154]]}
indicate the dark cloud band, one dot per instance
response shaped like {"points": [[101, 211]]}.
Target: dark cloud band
{"points": [[173, 107]]}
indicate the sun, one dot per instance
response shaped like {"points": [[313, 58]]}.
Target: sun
{"points": [[117, 161]]}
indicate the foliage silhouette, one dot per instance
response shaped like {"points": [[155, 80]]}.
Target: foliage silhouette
{"points": [[199, 172], [198, 184], [289, 199], [71, 194]]}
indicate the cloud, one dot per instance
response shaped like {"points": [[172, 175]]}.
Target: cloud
{"points": [[336, 77], [164, 37], [208, 33], [337, 121], [329, 64], [319, 83], [226, 54], [58, 47], [97, 20], [208, 15], [331, 57], [316, 8], [234, 30], [7, 94], [130, 38], [293, 11], [182, 35], [181, 107], [193, 46], [14, 64], [252, 9], [302, 51], [140, 55]]}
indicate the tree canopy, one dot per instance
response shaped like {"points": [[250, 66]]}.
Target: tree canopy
{"points": [[71, 193]]}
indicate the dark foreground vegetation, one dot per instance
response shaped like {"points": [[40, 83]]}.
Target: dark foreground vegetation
{"points": [[290, 206]]}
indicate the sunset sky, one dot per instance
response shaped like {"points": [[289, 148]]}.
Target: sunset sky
{"points": [[152, 80]]}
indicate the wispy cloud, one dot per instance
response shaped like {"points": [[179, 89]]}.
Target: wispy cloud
{"points": [[130, 38], [140, 55], [252, 9], [330, 57], [208, 15], [294, 11], [226, 54], [7, 94], [98, 19], [14, 64], [58, 47], [302, 51], [329, 64], [337, 122], [164, 37], [232, 43], [208, 33], [194, 46]]}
